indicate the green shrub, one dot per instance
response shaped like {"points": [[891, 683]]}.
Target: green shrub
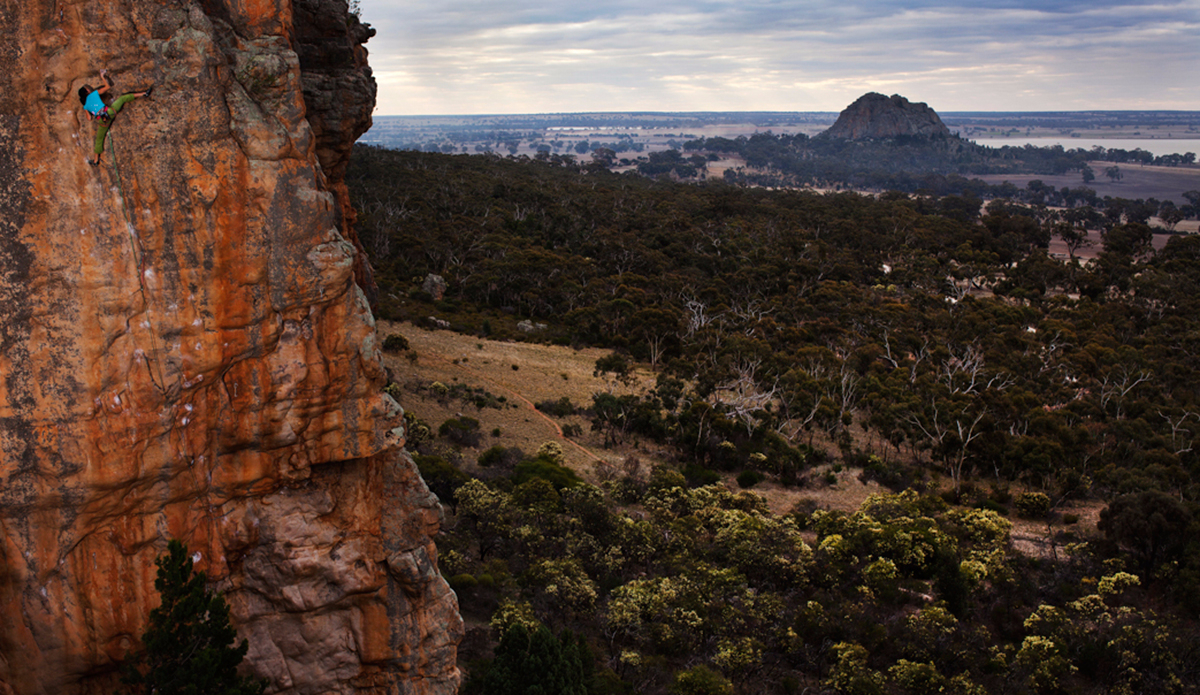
{"points": [[748, 479], [1152, 524], [1032, 505], [463, 431], [442, 478], [558, 476], [664, 478], [802, 511], [626, 490], [700, 680], [473, 395], [395, 343], [890, 474], [552, 451], [613, 364], [993, 506], [699, 476], [560, 408], [416, 430], [461, 582], [1002, 495], [491, 456], [500, 457]]}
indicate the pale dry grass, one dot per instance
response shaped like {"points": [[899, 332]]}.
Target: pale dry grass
{"points": [[846, 495], [544, 372]]}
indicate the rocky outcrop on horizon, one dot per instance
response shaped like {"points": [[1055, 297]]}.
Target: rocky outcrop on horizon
{"points": [[875, 116], [185, 352]]}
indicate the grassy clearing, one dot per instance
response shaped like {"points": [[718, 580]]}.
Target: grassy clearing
{"points": [[1137, 181], [542, 372]]}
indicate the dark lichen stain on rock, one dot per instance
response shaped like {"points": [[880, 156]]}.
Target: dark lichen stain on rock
{"points": [[16, 260]]}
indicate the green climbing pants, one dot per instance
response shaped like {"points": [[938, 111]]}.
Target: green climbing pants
{"points": [[113, 110]]}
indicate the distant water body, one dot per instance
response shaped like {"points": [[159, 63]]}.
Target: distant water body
{"points": [[1155, 147]]}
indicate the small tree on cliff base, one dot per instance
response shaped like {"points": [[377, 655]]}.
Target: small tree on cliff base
{"points": [[189, 643], [536, 663]]}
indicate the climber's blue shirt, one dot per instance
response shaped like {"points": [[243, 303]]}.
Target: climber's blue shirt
{"points": [[94, 104]]}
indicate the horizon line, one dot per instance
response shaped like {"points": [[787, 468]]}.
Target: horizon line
{"points": [[752, 111]]}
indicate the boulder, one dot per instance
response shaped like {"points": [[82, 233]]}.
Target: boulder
{"points": [[435, 285]]}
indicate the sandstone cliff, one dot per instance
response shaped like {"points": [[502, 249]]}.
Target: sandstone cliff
{"points": [[184, 351], [874, 116]]}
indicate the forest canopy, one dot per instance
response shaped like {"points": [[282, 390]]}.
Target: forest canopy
{"points": [[931, 341]]}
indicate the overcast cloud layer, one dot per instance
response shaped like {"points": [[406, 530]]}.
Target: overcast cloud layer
{"points": [[539, 56]]}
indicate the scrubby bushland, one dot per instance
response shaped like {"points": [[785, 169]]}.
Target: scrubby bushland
{"points": [[942, 331]]}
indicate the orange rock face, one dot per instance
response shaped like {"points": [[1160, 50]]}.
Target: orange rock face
{"points": [[185, 352]]}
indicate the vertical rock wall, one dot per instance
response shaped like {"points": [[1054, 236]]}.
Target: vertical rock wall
{"points": [[184, 352]]}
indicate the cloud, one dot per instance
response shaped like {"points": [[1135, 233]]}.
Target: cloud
{"points": [[470, 56]]}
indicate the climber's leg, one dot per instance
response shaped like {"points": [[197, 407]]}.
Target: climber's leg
{"points": [[101, 132], [120, 103], [113, 110]]}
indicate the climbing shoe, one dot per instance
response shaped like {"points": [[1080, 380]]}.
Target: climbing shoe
{"points": [[94, 162], [148, 91]]}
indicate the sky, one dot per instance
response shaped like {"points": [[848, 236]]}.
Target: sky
{"points": [[566, 56]]}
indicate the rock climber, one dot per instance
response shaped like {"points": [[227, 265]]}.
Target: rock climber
{"points": [[93, 103]]}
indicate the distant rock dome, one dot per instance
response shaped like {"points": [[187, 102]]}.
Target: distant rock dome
{"points": [[875, 116]]}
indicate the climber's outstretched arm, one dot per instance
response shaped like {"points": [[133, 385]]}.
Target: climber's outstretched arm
{"points": [[108, 83]]}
